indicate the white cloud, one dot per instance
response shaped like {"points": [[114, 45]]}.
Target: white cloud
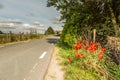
{"points": [[29, 11]]}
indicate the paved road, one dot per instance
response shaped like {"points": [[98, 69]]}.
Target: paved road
{"points": [[26, 60]]}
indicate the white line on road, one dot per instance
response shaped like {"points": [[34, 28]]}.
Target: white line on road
{"points": [[43, 54], [32, 70], [35, 65]]}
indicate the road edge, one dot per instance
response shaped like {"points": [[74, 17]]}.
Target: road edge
{"points": [[49, 62], [55, 70]]}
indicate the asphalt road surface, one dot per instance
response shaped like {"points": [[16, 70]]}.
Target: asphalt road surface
{"points": [[26, 60]]}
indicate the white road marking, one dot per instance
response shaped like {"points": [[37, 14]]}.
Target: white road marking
{"points": [[32, 70], [35, 65], [43, 54]]}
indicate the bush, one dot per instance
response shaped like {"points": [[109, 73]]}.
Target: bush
{"points": [[88, 61], [1, 32], [49, 31]]}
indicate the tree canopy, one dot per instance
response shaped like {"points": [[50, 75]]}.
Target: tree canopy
{"points": [[82, 16], [49, 31], [1, 32]]}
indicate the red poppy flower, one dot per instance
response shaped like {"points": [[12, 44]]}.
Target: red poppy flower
{"points": [[77, 47], [84, 41], [78, 43], [97, 44], [103, 49], [91, 52], [77, 55], [93, 48], [100, 53], [91, 43], [69, 59], [81, 55], [86, 47], [100, 56]]}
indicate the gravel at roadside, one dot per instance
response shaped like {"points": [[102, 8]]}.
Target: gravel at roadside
{"points": [[55, 70]]}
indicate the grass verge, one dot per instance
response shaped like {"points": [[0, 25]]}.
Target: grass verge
{"points": [[77, 70]]}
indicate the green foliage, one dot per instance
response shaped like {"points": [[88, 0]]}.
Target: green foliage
{"points": [[1, 32], [76, 70], [69, 39], [114, 69], [49, 31], [85, 16], [68, 36], [82, 16]]}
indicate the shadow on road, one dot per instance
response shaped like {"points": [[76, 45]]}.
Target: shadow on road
{"points": [[52, 40]]}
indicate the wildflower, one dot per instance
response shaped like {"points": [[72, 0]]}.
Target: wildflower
{"points": [[91, 43], [97, 44], [86, 47], [92, 48], [84, 41], [77, 55], [100, 53], [103, 49], [69, 59], [100, 56], [91, 52], [81, 55], [77, 47], [78, 43]]}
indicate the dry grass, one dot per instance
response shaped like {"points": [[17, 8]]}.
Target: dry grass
{"points": [[113, 45]]}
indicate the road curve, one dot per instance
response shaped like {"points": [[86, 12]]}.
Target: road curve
{"points": [[26, 60]]}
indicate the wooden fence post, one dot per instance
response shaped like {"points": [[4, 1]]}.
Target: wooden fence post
{"points": [[94, 35]]}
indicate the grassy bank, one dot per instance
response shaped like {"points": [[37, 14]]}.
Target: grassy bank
{"points": [[87, 68]]}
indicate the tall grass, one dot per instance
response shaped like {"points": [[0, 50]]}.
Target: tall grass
{"points": [[77, 69], [8, 38]]}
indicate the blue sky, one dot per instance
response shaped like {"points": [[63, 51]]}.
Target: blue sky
{"points": [[29, 11]]}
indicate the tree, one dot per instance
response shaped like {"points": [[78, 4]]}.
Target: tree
{"points": [[1, 32], [49, 31], [86, 15]]}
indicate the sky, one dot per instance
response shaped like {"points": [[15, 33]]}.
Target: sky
{"points": [[29, 11]]}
